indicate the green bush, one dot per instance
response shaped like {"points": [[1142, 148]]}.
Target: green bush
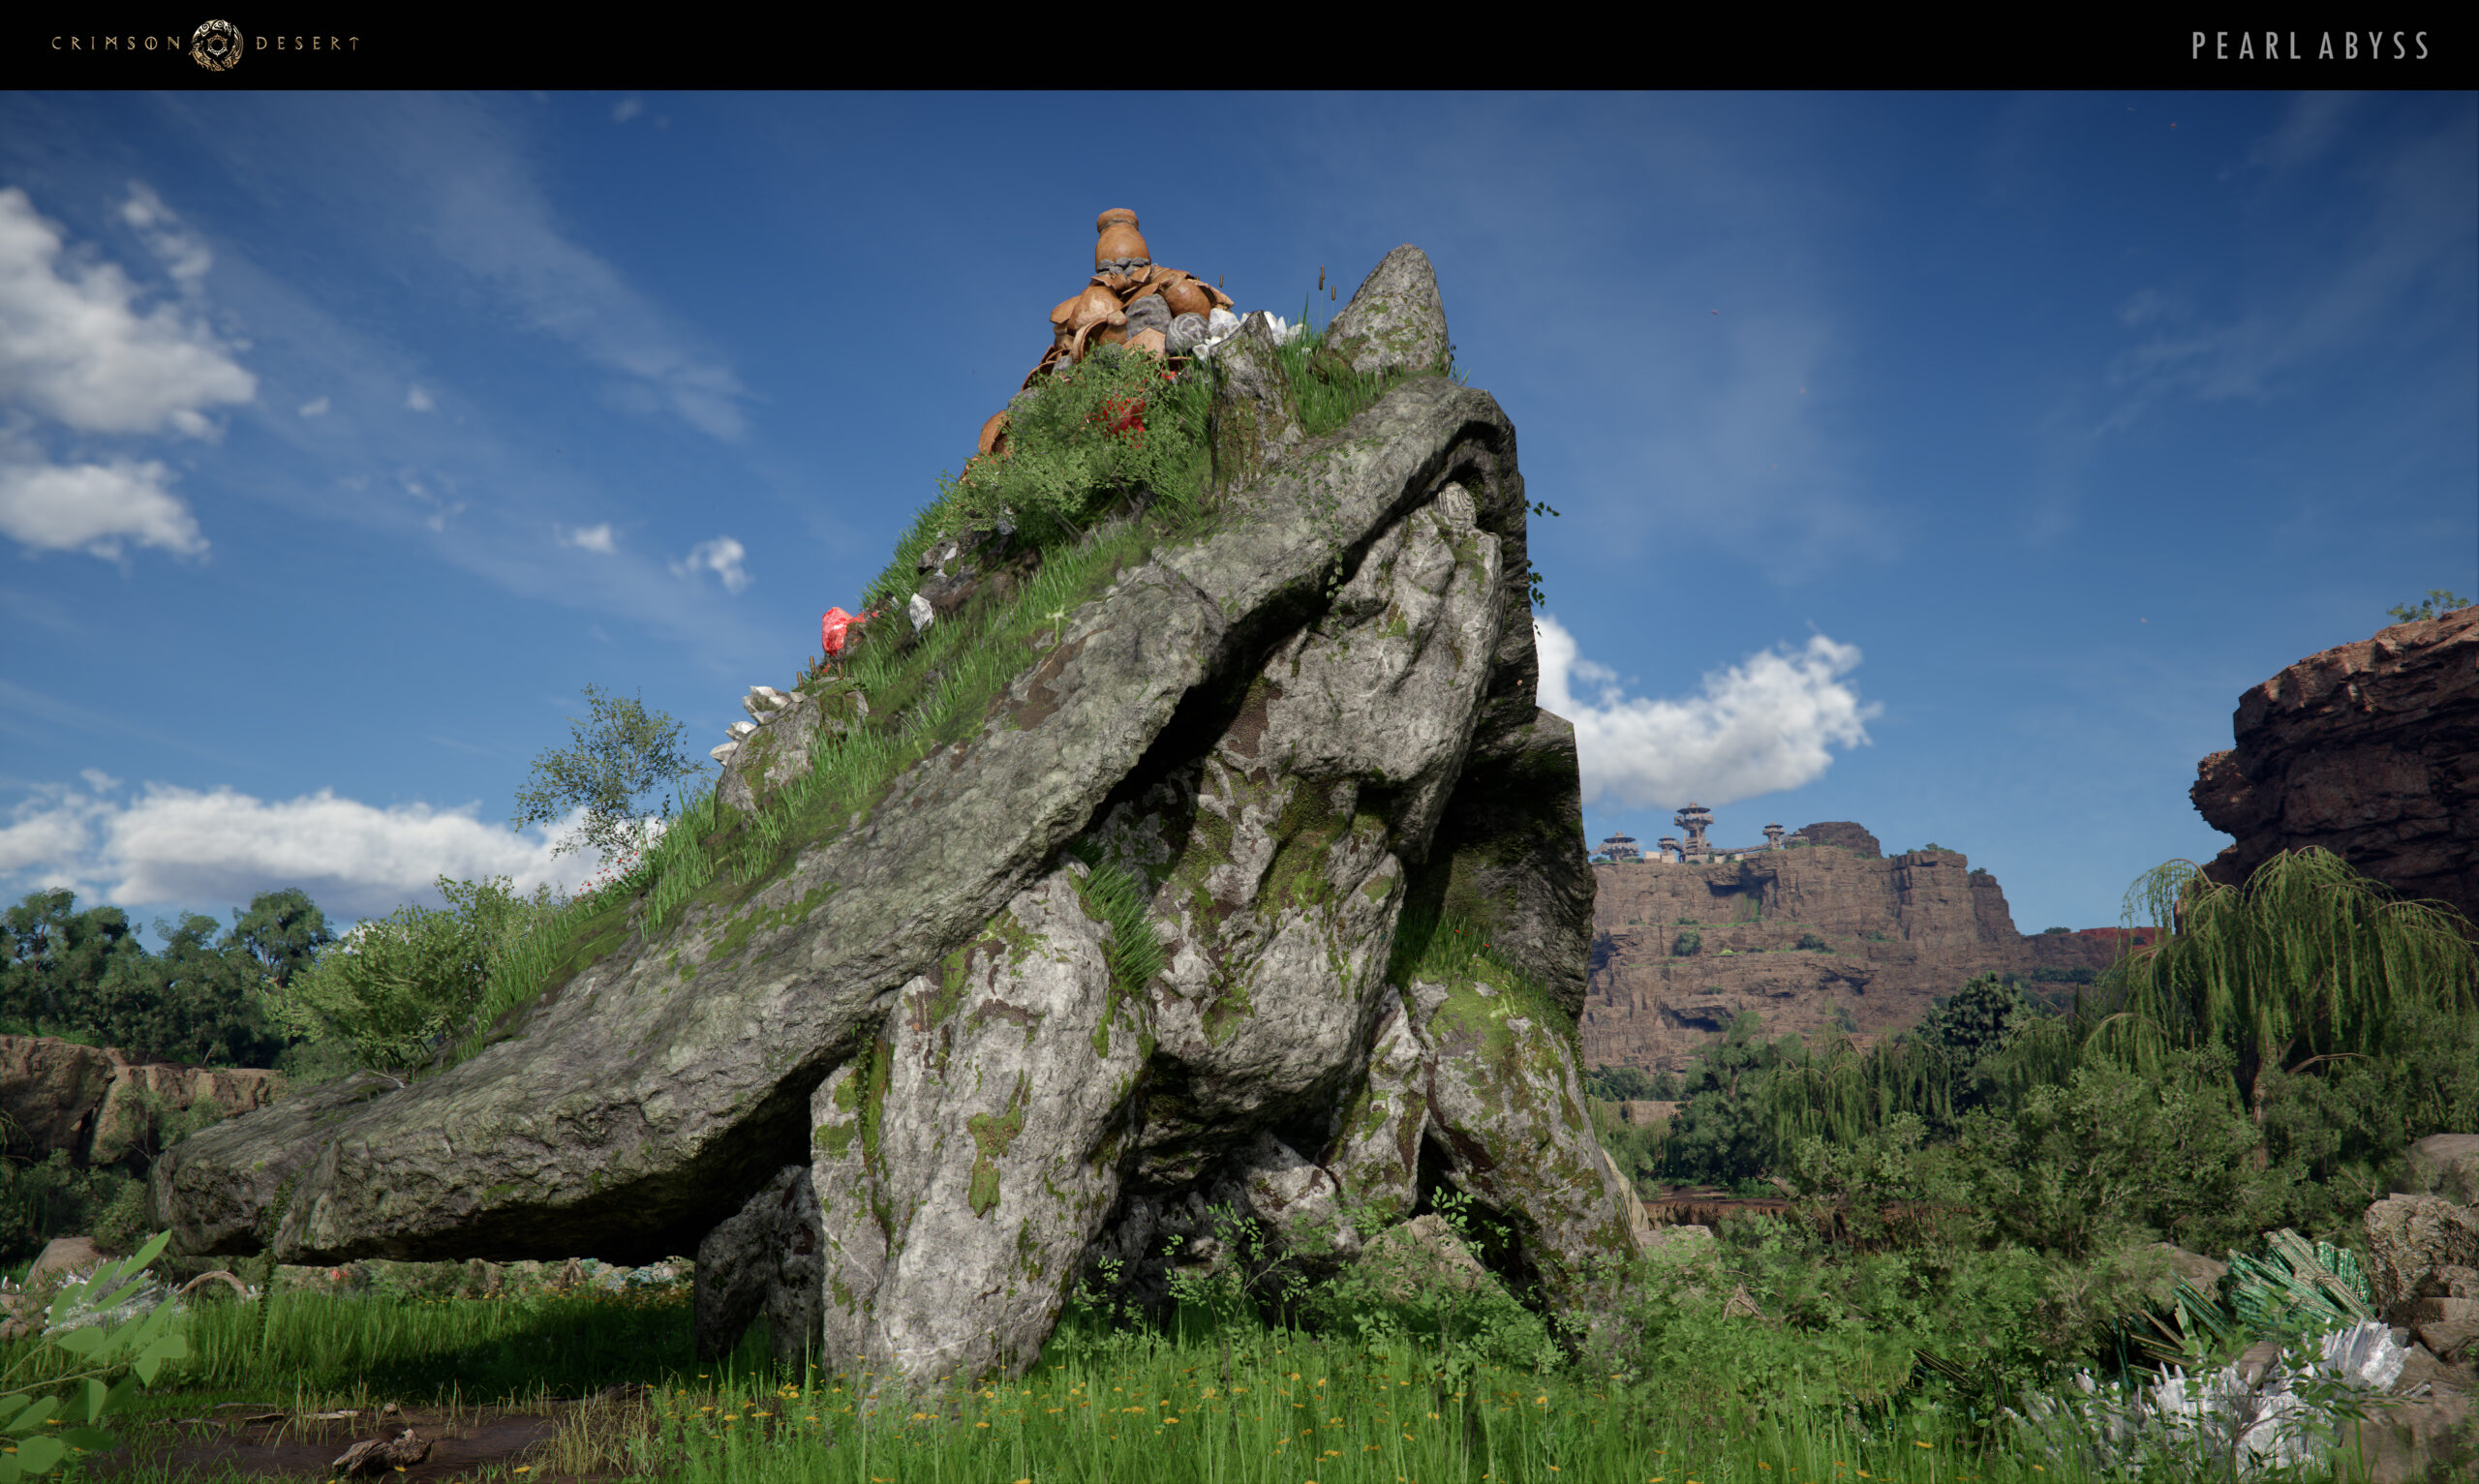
{"points": [[399, 984], [1814, 944], [1687, 944]]}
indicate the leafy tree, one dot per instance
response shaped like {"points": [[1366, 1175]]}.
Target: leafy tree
{"points": [[1976, 1021], [284, 931], [2438, 601], [58, 958], [195, 1001], [2309, 965], [619, 756], [1630, 1084], [1726, 1130], [85, 974]]}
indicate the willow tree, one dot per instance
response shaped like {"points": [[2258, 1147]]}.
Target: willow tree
{"points": [[2308, 962]]}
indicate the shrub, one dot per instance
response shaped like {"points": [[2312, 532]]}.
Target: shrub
{"points": [[400, 983], [1812, 943], [1687, 944]]}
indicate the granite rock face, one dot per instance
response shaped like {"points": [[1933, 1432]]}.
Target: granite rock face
{"points": [[1247, 750], [1395, 317], [1898, 932], [2370, 750]]}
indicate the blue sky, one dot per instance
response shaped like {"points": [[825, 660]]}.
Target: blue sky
{"points": [[1951, 464]]}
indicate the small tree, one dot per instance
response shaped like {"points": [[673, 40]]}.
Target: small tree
{"points": [[2438, 601], [622, 753]]}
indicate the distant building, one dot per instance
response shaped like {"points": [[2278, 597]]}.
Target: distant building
{"points": [[1621, 847], [1696, 819]]}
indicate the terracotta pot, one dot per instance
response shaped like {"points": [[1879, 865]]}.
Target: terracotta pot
{"points": [[994, 433], [1149, 340], [1120, 236], [1188, 296]]}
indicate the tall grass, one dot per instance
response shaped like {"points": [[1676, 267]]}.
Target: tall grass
{"points": [[1201, 1401]]}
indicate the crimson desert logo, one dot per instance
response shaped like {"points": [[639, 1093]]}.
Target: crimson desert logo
{"points": [[217, 47]]}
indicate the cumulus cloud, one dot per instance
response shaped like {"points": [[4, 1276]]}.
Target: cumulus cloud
{"points": [[177, 845], [627, 108], [418, 399], [1758, 727], [722, 557], [94, 508], [75, 349], [316, 406], [598, 540]]}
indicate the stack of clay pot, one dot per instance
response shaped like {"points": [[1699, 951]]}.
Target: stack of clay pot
{"points": [[1129, 300]]}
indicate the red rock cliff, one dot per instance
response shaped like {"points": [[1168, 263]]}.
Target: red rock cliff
{"points": [[2370, 750], [1899, 932]]}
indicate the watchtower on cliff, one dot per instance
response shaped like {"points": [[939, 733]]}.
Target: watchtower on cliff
{"points": [[1694, 819]]}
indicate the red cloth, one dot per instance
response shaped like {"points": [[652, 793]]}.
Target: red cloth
{"points": [[834, 623]]}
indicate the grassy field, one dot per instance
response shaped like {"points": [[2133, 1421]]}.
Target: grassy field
{"points": [[1226, 1401]]}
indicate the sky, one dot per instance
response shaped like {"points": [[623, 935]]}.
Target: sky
{"points": [[1951, 464]]}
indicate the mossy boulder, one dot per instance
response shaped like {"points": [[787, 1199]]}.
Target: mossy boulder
{"points": [[936, 1032]]}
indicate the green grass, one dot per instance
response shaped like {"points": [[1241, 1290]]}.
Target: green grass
{"points": [[1234, 1402]]}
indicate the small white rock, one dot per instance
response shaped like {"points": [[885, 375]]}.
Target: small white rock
{"points": [[723, 753], [740, 731], [920, 613]]}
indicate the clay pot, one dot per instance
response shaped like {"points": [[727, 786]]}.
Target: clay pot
{"points": [[994, 433], [1120, 236], [1152, 340], [1188, 296]]}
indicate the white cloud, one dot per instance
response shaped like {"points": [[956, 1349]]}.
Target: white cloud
{"points": [[94, 508], [1758, 727], [593, 538], [179, 846], [74, 349], [99, 780], [184, 254], [722, 555], [418, 399], [316, 406], [627, 108]]}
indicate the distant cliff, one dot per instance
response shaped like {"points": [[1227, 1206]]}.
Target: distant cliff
{"points": [[1896, 933]]}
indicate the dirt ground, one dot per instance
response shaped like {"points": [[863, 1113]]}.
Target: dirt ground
{"points": [[466, 1443]]}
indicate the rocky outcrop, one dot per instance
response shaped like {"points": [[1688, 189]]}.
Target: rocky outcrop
{"points": [[1896, 933], [102, 1106], [1069, 986], [2370, 750], [1393, 319]]}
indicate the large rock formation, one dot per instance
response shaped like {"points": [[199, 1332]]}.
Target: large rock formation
{"points": [[94, 1103], [909, 1089], [1898, 933], [2370, 750]]}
